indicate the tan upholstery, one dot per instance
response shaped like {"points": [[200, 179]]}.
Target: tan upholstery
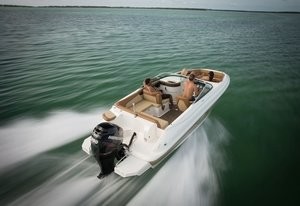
{"points": [[184, 72], [108, 116], [161, 123], [141, 106], [182, 103], [203, 74], [141, 103], [155, 98], [152, 97], [127, 101], [136, 99]]}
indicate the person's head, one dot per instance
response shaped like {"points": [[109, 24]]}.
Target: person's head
{"points": [[147, 81], [192, 77], [211, 75]]}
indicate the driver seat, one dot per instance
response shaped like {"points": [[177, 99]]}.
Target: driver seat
{"points": [[182, 103]]}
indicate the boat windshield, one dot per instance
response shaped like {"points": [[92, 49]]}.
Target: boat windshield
{"points": [[205, 89]]}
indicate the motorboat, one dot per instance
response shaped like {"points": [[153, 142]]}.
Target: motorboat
{"points": [[140, 130]]}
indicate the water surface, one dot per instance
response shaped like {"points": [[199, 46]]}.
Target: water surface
{"points": [[60, 68]]}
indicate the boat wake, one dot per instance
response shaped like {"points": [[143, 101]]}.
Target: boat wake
{"points": [[28, 137], [189, 177]]}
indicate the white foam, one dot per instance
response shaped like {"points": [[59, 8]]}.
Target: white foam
{"points": [[190, 176], [28, 137]]}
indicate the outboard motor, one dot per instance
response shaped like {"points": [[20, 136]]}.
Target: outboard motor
{"points": [[106, 145]]}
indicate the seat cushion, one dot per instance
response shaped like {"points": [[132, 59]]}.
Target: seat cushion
{"points": [[108, 116]]}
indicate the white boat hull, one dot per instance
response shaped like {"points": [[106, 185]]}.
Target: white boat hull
{"points": [[154, 140]]}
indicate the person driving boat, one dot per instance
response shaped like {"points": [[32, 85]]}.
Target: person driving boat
{"points": [[190, 88]]}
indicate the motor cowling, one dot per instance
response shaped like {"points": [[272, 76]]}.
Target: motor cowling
{"points": [[106, 145]]}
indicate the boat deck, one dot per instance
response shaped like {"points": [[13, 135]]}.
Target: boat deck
{"points": [[171, 115]]}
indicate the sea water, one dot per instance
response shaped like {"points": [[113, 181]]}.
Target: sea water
{"points": [[60, 68]]}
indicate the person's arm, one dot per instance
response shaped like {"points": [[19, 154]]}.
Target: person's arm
{"points": [[152, 90]]}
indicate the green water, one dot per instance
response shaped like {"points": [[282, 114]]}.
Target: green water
{"points": [[60, 68]]}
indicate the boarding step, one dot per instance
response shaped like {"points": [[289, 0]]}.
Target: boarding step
{"points": [[131, 166]]}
